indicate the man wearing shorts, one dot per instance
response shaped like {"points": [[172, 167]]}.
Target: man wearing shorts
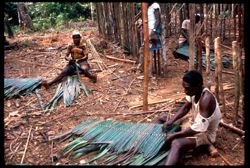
{"points": [[204, 121]]}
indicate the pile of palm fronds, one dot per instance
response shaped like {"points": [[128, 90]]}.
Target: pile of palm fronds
{"points": [[69, 89], [20, 86], [117, 143]]}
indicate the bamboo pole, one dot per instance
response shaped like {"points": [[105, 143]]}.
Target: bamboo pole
{"points": [[191, 35], [218, 61], [207, 43], [235, 53], [146, 54]]}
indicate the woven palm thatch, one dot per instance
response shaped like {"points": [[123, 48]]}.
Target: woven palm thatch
{"points": [[117, 143], [183, 52], [69, 89], [20, 86]]}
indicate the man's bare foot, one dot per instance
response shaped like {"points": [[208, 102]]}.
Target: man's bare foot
{"points": [[45, 84]]}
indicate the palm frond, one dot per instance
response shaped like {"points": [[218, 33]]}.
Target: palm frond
{"points": [[119, 143], [20, 86]]}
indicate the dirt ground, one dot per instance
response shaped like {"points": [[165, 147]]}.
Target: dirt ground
{"points": [[109, 96]]}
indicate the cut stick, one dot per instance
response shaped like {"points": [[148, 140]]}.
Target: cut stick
{"points": [[237, 130], [26, 146], [120, 59]]}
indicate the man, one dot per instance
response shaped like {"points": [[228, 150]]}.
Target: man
{"points": [[154, 20], [77, 55], [185, 28], [204, 122]]}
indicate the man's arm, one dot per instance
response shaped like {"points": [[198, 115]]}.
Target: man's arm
{"points": [[180, 113], [184, 33], [184, 133]]}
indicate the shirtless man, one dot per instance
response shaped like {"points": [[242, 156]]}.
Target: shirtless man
{"points": [[77, 55]]}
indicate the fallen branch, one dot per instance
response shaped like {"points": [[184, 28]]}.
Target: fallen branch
{"points": [[151, 103], [26, 145], [237, 130], [227, 72], [33, 63], [120, 59], [96, 55], [225, 160]]}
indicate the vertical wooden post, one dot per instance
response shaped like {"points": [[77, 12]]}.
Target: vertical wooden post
{"points": [[146, 54], [217, 48], [211, 25], [132, 11], [216, 72], [163, 37], [191, 36], [235, 26], [240, 40], [207, 43], [235, 53], [199, 55]]}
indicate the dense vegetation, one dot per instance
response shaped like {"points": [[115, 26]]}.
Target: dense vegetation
{"points": [[47, 15]]}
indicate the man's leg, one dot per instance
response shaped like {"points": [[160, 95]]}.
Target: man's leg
{"points": [[85, 69], [180, 144], [68, 70]]}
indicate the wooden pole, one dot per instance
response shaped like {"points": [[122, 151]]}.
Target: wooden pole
{"points": [[207, 43], [163, 37], [132, 12], [217, 48], [191, 36], [146, 54], [235, 48], [199, 55]]}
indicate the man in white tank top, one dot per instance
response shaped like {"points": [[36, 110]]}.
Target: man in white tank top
{"points": [[204, 121]]}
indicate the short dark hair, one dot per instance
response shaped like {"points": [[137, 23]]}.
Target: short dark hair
{"points": [[197, 18], [193, 77]]}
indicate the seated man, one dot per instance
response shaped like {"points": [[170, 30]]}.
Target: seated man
{"points": [[206, 116], [184, 33], [77, 55]]}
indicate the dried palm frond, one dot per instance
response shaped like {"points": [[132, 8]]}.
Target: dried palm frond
{"points": [[69, 89], [20, 86], [118, 143]]}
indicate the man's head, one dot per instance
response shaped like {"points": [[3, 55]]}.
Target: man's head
{"points": [[76, 36], [197, 18], [192, 82]]}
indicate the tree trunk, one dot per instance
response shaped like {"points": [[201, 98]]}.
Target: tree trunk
{"points": [[24, 18], [7, 28], [98, 18]]}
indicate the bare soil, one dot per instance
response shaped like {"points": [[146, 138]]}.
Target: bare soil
{"points": [[108, 95]]}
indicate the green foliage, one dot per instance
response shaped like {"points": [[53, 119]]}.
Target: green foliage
{"points": [[46, 15]]}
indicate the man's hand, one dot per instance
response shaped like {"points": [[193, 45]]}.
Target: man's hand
{"points": [[169, 138], [68, 57], [167, 125]]}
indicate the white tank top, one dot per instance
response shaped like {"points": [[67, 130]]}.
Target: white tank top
{"points": [[202, 124]]}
